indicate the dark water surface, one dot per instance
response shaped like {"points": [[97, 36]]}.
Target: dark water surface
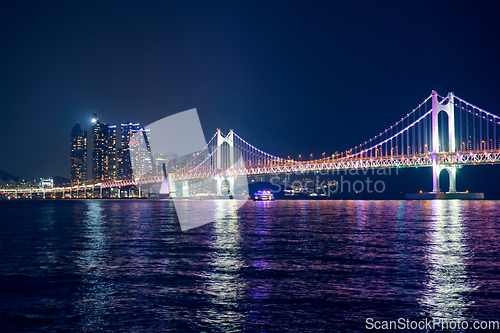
{"points": [[104, 265]]}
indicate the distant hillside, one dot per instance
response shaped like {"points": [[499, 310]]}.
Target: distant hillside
{"points": [[59, 181], [4, 175]]}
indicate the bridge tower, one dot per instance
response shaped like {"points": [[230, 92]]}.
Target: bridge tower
{"points": [[449, 109], [229, 139]]}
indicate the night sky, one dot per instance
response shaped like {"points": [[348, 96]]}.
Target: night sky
{"points": [[289, 77]]}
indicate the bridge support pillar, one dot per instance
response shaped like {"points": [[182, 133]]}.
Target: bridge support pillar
{"points": [[437, 146], [453, 179], [222, 164], [435, 174], [452, 172], [229, 139], [221, 181], [219, 186]]}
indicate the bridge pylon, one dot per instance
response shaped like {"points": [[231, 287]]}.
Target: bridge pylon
{"points": [[449, 109], [229, 139]]}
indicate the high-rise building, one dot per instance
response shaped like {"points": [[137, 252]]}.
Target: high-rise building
{"points": [[110, 162], [78, 155], [103, 151], [112, 156], [125, 168], [164, 161], [141, 158]]}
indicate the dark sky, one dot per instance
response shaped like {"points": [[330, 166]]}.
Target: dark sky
{"points": [[289, 77]]}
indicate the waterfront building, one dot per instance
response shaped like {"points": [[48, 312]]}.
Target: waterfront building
{"points": [[111, 157], [141, 158], [78, 155], [103, 151], [167, 160], [47, 183], [125, 166]]}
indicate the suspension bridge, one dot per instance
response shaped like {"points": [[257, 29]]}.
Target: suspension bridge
{"points": [[442, 132]]}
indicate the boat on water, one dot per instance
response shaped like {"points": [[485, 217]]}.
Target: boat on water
{"points": [[263, 196]]}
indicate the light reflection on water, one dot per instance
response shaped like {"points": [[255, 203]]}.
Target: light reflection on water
{"points": [[95, 291], [224, 284], [269, 266], [446, 294]]}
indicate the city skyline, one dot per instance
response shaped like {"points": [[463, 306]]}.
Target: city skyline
{"points": [[110, 150], [296, 79]]}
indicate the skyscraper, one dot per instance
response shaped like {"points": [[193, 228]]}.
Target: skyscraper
{"points": [[141, 158], [112, 156], [128, 130], [103, 151], [78, 155], [99, 148]]}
